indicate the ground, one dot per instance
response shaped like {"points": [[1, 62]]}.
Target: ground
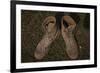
{"points": [[32, 32]]}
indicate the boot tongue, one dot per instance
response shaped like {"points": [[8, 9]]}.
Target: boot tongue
{"points": [[51, 27]]}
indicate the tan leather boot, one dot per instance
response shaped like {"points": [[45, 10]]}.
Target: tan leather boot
{"points": [[67, 27], [51, 32]]}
